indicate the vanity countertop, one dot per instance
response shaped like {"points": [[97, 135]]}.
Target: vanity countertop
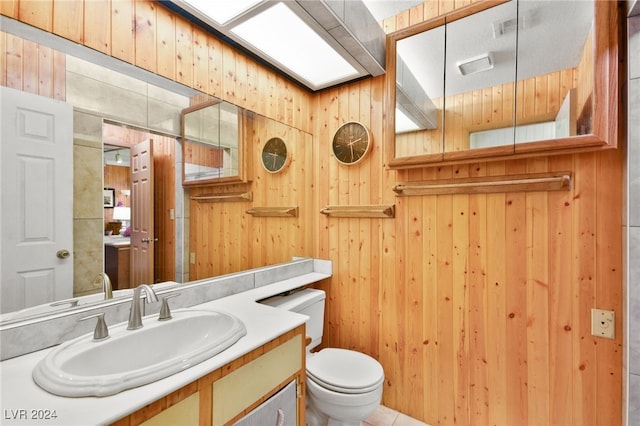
{"points": [[22, 401], [116, 240]]}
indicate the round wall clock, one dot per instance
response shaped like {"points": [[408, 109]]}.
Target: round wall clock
{"points": [[351, 143], [275, 155]]}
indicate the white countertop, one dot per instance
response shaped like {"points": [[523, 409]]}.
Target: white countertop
{"points": [[21, 399], [116, 240]]}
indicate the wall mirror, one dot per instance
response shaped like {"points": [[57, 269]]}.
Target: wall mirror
{"points": [[98, 86], [502, 78], [103, 131], [213, 143]]}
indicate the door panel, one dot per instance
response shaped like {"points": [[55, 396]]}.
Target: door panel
{"points": [[142, 238], [37, 200]]}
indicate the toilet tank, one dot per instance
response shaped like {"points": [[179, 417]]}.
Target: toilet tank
{"points": [[308, 302]]}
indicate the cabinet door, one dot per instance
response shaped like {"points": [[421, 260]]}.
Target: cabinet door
{"points": [[237, 391], [184, 413], [279, 410], [479, 96]]}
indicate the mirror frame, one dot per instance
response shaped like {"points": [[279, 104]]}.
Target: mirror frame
{"points": [[243, 155], [606, 95]]}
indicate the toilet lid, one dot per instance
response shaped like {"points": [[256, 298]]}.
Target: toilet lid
{"points": [[345, 371]]}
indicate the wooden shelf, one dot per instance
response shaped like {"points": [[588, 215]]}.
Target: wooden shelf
{"points": [[559, 181], [223, 198], [372, 211], [273, 211]]}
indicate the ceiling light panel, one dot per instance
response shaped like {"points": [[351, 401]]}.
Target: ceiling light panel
{"points": [[222, 11], [283, 36], [476, 64], [318, 44]]}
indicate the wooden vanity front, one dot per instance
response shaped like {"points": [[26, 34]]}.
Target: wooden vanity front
{"points": [[225, 395]]}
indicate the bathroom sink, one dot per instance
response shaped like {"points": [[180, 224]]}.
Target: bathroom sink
{"points": [[130, 358]]}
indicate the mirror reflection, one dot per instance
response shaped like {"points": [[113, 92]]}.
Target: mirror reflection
{"points": [[484, 76], [115, 108], [211, 142], [103, 132], [480, 75], [420, 93]]}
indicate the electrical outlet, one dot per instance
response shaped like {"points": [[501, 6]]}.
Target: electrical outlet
{"points": [[192, 258], [603, 323]]}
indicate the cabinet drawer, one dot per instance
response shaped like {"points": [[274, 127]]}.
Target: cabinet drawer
{"points": [[235, 392], [279, 410]]}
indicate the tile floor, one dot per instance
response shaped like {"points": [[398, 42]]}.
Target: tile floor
{"points": [[387, 417]]}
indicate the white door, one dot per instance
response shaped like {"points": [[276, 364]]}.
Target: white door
{"points": [[142, 223], [36, 206]]}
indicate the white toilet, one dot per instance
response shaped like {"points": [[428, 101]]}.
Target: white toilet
{"points": [[344, 387]]}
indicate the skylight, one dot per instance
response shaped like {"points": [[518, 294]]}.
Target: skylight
{"points": [[282, 35], [222, 11], [404, 123], [309, 41]]}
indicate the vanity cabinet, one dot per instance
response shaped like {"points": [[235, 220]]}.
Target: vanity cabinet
{"points": [[117, 265], [226, 395]]}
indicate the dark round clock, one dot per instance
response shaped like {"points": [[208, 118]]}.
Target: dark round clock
{"points": [[275, 155], [351, 143]]}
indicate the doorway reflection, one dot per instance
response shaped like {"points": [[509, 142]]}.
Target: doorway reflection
{"points": [[117, 216]]}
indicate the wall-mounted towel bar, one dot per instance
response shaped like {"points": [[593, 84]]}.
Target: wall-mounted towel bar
{"points": [[224, 198], [273, 211], [373, 211], [557, 181]]}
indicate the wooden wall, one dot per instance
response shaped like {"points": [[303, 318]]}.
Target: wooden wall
{"points": [[226, 239], [203, 155], [478, 306], [118, 178]]}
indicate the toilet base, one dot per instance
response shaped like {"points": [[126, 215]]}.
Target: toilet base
{"points": [[333, 422], [315, 417]]}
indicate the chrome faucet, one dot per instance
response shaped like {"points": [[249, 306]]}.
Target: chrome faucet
{"points": [[106, 285], [135, 314]]}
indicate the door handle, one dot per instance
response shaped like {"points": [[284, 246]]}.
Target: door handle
{"points": [[149, 240], [63, 254]]}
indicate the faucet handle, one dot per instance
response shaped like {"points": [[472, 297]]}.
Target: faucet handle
{"points": [[165, 312], [101, 332]]}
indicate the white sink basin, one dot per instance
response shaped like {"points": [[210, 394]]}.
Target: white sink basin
{"points": [[130, 358]]}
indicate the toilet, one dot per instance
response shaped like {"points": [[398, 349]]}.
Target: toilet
{"points": [[344, 387]]}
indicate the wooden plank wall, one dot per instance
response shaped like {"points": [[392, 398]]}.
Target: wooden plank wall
{"points": [[31, 68], [118, 178], [226, 239], [480, 307], [203, 155], [477, 306]]}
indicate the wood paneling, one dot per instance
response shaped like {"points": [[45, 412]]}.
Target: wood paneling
{"points": [[203, 155], [477, 306], [32, 68], [226, 239], [118, 178]]}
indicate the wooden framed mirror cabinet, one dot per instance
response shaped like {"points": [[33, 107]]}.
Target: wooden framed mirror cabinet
{"points": [[503, 79]]}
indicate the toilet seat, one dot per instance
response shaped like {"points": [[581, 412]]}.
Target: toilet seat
{"points": [[345, 371]]}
